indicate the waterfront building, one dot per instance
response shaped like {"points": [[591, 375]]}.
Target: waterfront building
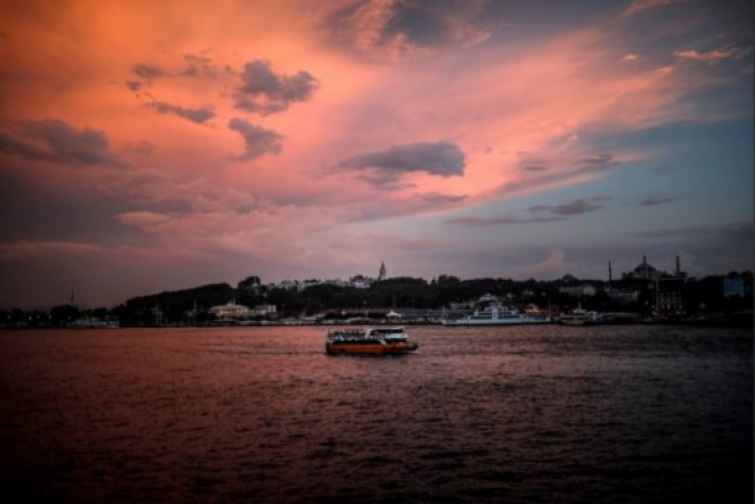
{"points": [[307, 284], [466, 305], [288, 284], [670, 296], [487, 299], [231, 311], [360, 282], [733, 285], [578, 290], [670, 291], [265, 310], [622, 296]]}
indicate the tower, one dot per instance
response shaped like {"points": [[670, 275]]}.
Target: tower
{"points": [[610, 273], [678, 266], [382, 273]]}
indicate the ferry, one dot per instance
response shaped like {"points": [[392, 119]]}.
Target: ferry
{"points": [[495, 314], [369, 341]]}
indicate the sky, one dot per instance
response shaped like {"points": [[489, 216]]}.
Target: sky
{"points": [[150, 146]]}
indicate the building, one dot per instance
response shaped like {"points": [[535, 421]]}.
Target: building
{"points": [[578, 290], [466, 305], [360, 282], [288, 284], [669, 298], [487, 299], [301, 286], [231, 311], [265, 310], [620, 296], [733, 285], [670, 292], [335, 282]]}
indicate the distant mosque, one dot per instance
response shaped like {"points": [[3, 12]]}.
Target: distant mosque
{"points": [[645, 271]]}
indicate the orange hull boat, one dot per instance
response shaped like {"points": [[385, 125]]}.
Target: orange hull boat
{"points": [[370, 341]]}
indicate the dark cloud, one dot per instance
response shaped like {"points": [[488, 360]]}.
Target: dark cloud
{"points": [[134, 85], [199, 115], [554, 213], [146, 71], [440, 199], [56, 141], [245, 209], [198, 66], [495, 221], [655, 201], [140, 148], [264, 92], [534, 167], [576, 207], [424, 25], [597, 163], [531, 163], [259, 141], [391, 206], [402, 26], [196, 59], [385, 168], [547, 176]]}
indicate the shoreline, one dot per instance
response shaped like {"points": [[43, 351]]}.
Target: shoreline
{"points": [[737, 321]]}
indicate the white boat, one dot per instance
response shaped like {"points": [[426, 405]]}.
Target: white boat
{"points": [[579, 317], [495, 314]]}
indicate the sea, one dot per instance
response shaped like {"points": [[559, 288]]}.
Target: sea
{"points": [[618, 414]]}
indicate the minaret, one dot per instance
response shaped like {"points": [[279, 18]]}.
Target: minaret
{"points": [[645, 266], [382, 273], [610, 273], [678, 266]]}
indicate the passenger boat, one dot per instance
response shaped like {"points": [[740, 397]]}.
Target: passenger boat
{"points": [[369, 341]]}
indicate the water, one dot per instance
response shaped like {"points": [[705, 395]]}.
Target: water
{"points": [[514, 414]]}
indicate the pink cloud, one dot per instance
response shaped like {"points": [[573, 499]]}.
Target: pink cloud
{"points": [[712, 56], [143, 219], [642, 5]]}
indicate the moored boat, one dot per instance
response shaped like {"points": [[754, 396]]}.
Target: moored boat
{"points": [[579, 317], [495, 314], [370, 341]]}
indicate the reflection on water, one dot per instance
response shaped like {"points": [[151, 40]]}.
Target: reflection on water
{"points": [[521, 414]]}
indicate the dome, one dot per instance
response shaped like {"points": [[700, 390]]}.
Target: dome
{"points": [[644, 267]]}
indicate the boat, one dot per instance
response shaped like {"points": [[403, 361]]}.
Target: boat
{"points": [[579, 317], [369, 341], [496, 314]]}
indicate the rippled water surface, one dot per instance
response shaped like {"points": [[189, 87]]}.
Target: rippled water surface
{"points": [[517, 414]]}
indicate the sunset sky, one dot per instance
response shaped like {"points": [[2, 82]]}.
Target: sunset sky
{"points": [[149, 146]]}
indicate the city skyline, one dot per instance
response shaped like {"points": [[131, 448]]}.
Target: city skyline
{"points": [[147, 148]]}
